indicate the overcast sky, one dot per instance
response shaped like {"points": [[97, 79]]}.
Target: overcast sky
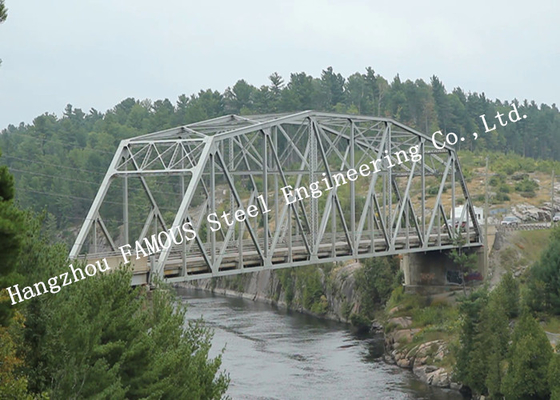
{"points": [[97, 53]]}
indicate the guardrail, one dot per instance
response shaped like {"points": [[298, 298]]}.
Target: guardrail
{"points": [[526, 226]]}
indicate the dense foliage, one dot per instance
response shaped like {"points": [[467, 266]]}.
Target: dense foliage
{"points": [[11, 237], [544, 279], [498, 362], [375, 282], [97, 338]]}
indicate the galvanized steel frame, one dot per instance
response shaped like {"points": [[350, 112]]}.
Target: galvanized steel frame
{"points": [[232, 150]]}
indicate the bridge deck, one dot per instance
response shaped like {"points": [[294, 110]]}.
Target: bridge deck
{"points": [[242, 256]]}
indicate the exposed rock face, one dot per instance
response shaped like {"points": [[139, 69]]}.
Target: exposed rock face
{"points": [[529, 213], [421, 358], [339, 288]]}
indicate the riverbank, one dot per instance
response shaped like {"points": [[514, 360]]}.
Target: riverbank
{"points": [[274, 353], [418, 336], [327, 292], [332, 293]]}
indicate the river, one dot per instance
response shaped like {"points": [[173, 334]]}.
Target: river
{"points": [[277, 354]]}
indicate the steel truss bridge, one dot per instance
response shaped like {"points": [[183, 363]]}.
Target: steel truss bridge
{"points": [[165, 179]]}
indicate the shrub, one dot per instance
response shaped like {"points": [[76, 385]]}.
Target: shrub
{"points": [[360, 321], [519, 177], [528, 195], [504, 188], [501, 197], [526, 185]]}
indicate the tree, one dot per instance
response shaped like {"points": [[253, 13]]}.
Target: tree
{"points": [[3, 15], [528, 361], [332, 89], [99, 338], [463, 259], [13, 384], [508, 295], [375, 282], [441, 101], [554, 377], [496, 338], [470, 367], [11, 237], [544, 279], [3, 11]]}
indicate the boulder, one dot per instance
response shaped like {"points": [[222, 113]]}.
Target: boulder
{"points": [[403, 322], [404, 363], [404, 335], [375, 327]]}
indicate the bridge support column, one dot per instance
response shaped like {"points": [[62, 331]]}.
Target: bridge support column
{"points": [[434, 271]]}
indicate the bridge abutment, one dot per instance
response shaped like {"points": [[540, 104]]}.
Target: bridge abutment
{"points": [[434, 271]]}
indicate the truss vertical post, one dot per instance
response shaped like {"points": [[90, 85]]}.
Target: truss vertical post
{"points": [[423, 187], [125, 201], [313, 139], [265, 190], [353, 189]]}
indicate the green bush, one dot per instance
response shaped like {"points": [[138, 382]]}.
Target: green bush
{"points": [[500, 198], [504, 188], [519, 177], [528, 195], [360, 321], [526, 185], [375, 281]]}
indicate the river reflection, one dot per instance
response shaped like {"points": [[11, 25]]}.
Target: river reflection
{"points": [[276, 354]]}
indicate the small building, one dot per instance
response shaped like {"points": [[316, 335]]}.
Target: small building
{"points": [[461, 215]]}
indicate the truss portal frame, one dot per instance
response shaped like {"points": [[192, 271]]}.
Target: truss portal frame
{"points": [[226, 163]]}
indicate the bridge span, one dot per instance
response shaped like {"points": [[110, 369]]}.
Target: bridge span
{"points": [[312, 187]]}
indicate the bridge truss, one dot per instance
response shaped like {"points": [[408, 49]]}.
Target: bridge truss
{"points": [[166, 179]]}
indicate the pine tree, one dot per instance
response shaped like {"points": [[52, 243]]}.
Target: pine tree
{"points": [[496, 333], [544, 281], [554, 377], [3, 11], [98, 338], [528, 361], [471, 350], [11, 237]]}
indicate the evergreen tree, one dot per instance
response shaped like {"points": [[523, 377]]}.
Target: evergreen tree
{"points": [[554, 377], [442, 103], [3, 11], [496, 339], [11, 237], [526, 376], [544, 280], [102, 339], [471, 355], [508, 295]]}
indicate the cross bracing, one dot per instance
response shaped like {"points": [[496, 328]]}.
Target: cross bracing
{"points": [[264, 167]]}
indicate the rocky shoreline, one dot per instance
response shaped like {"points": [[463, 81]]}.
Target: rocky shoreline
{"points": [[420, 358]]}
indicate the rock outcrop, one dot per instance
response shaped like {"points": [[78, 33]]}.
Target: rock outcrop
{"points": [[340, 298], [422, 358]]}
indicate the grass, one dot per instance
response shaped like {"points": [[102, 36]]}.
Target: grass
{"points": [[552, 324], [533, 243]]}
